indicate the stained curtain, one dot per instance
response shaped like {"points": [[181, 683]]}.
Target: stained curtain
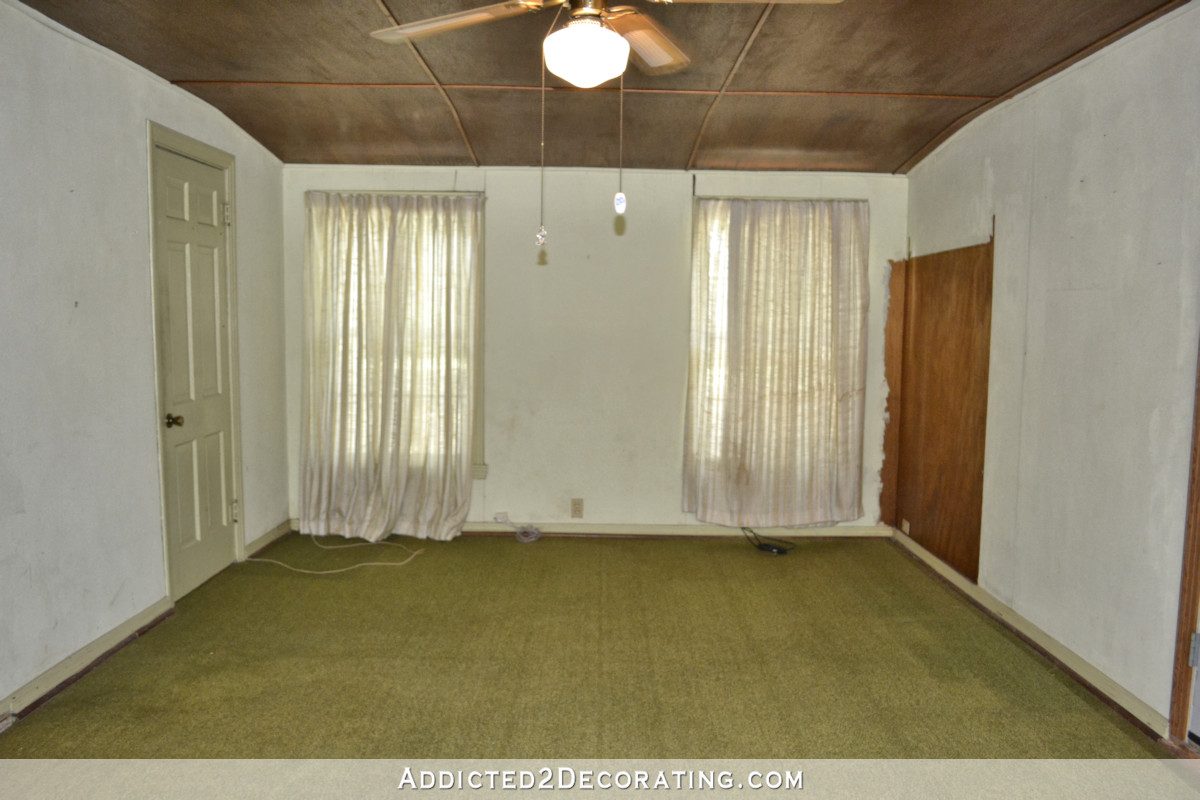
{"points": [[775, 389], [390, 314]]}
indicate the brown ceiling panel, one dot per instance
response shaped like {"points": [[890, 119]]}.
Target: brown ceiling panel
{"points": [[581, 127], [328, 125], [855, 133], [300, 40], [925, 46], [860, 85], [508, 52]]}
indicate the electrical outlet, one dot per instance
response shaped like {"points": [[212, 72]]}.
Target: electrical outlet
{"points": [[577, 508], [501, 517], [904, 526]]}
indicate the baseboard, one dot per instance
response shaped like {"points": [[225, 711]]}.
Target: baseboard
{"points": [[280, 530], [74, 665], [625, 529], [629, 529], [1138, 709]]}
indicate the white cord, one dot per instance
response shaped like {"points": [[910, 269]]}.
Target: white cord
{"points": [[315, 541], [412, 554]]}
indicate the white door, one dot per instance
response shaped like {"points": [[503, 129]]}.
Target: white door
{"points": [[192, 317]]}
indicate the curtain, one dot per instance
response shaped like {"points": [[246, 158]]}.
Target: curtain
{"points": [[775, 389], [390, 314]]}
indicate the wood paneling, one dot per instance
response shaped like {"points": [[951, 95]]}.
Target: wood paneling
{"points": [[301, 40], [947, 332], [322, 125], [941, 46], [893, 359], [509, 51], [883, 81], [840, 132], [581, 127], [1049, 72]]}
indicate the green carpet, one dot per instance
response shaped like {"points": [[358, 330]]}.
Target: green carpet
{"points": [[573, 648]]}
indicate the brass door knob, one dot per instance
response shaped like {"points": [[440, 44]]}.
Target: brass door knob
{"points": [[174, 421]]}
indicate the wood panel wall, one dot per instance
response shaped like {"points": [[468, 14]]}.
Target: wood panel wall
{"points": [[938, 448]]}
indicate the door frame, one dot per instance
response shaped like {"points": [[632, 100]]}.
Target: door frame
{"points": [[160, 136], [1183, 675]]}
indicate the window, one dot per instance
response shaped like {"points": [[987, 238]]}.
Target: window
{"points": [[391, 334], [774, 422]]}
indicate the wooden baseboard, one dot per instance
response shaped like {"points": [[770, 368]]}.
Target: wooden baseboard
{"points": [[71, 668], [279, 531], [1074, 664], [623, 529], [628, 529]]}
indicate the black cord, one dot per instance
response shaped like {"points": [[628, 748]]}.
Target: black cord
{"points": [[768, 545]]}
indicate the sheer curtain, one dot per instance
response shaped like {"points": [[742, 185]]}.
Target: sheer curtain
{"points": [[390, 314], [775, 391]]}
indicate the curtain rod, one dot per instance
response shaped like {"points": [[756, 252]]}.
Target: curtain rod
{"points": [[804, 198], [437, 192]]}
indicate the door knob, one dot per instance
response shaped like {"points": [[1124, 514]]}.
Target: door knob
{"points": [[174, 421]]}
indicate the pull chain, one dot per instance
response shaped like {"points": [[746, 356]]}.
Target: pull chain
{"points": [[619, 199], [541, 231], [540, 238]]}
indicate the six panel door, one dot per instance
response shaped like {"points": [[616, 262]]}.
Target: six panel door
{"points": [[191, 287]]}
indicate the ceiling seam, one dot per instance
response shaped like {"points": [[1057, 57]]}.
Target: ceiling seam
{"points": [[437, 84], [1104, 41], [762, 19], [501, 87], [945, 133]]}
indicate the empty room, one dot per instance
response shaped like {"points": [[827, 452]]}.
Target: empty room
{"points": [[429, 379]]}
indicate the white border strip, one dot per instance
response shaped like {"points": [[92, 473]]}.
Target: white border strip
{"points": [[79, 660], [622, 529], [1072, 660], [278, 532], [627, 529]]}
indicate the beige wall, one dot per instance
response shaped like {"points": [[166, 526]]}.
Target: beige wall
{"points": [[1094, 181], [81, 542], [586, 356]]}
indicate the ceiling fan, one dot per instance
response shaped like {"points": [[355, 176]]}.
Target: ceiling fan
{"points": [[595, 44]]}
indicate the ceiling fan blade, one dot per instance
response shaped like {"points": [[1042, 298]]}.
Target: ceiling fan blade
{"points": [[652, 50], [459, 19], [755, 2]]}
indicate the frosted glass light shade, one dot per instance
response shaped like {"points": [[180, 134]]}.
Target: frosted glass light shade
{"points": [[585, 53]]}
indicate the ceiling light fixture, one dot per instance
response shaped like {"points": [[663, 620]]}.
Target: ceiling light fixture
{"points": [[585, 53]]}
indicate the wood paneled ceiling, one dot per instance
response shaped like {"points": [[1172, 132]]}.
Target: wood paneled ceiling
{"points": [[867, 85]]}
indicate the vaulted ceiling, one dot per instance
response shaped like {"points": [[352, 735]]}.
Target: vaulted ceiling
{"points": [[867, 85]]}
